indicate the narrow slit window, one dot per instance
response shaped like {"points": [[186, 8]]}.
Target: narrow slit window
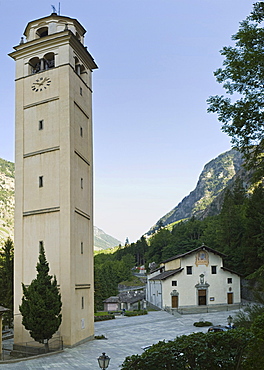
{"points": [[81, 183], [81, 91], [81, 131], [41, 124], [82, 303], [41, 181], [41, 245], [81, 247]]}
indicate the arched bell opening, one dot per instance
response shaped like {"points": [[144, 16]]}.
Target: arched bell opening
{"points": [[77, 66], [42, 32], [49, 61], [34, 65]]}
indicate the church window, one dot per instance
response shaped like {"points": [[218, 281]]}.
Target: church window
{"points": [[213, 269], [41, 124], [42, 32], [40, 181], [174, 283], [189, 270], [229, 280]]}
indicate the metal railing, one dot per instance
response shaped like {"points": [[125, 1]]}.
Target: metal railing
{"points": [[11, 351]]}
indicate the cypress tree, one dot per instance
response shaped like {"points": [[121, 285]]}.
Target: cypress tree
{"points": [[41, 303]]}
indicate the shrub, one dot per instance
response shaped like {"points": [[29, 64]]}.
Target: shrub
{"points": [[202, 323], [104, 317], [99, 337], [136, 313], [223, 351]]}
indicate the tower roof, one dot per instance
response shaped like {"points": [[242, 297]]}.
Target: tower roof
{"points": [[54, 17]]}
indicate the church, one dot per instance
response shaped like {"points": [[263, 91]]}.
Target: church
{"points": [[54, 169], [193, 279]]}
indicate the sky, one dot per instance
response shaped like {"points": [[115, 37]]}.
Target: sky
{"points": [[152, 134]]}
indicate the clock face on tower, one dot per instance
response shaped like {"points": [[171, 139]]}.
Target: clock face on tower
{"points": [[41, 84]]}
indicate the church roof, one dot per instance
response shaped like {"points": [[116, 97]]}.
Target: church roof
{"points": [[164, 275], [58, 17], [203, 247], [232, 271]]}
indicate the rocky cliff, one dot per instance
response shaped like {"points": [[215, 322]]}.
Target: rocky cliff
{"points": [[215, 177], [7, 201]]}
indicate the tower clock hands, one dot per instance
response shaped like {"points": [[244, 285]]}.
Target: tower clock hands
{"points": [[41, 82]]}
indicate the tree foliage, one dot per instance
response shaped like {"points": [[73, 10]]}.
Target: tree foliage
{"points": [[241, 112], [197, 351], [7, 279], [109, 271], [41, 303]]}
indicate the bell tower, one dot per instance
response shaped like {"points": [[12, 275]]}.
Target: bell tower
{"points": [[54, 168]]}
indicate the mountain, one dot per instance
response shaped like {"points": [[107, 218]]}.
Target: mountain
{"points": [[103, 240], [214, 178], [7, 206], [7, 201]]}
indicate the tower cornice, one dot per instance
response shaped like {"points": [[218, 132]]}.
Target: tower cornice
{"points": [[56, 39]]}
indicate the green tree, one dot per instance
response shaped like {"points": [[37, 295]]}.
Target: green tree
{"points": [[255, 355], [206, 351], [254, 239], [157, 243], [6, 279], [41, 303], [232, 228], [241, 112]]}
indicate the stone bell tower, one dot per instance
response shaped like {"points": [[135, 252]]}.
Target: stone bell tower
{"points": [[54, 168]]}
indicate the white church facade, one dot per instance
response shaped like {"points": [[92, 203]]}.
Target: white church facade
{"points": [[197, 278]]}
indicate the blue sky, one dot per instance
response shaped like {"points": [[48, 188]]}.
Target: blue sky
{"points": [[152, 135]]}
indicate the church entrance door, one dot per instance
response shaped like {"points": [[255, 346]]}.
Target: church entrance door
{"points": [[174, 301], [202, 297]]}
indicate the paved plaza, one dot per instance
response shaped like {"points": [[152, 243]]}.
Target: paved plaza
{"points": [[126, 336]]}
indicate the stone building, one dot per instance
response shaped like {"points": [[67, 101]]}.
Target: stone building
{"points": [[197, 278]]}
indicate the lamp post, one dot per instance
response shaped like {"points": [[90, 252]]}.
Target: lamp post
{"points": [[229, 321], [103, 361]]}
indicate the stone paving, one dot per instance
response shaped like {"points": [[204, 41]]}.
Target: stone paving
{"points": [[126, 336]]}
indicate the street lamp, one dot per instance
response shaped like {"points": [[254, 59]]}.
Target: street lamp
{"points": [[103, 361], [229, 320]]}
